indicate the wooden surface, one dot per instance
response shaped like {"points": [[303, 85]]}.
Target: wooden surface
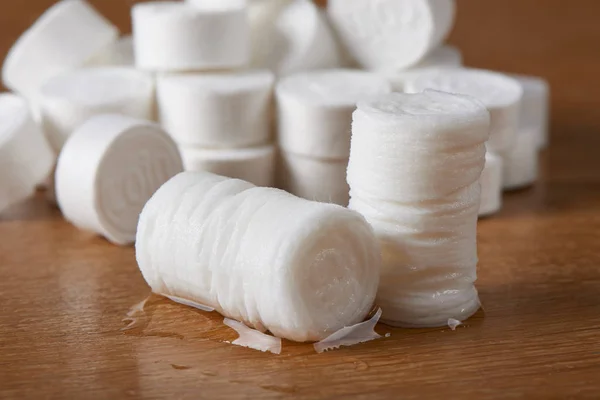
{"points": [[63, 294]]}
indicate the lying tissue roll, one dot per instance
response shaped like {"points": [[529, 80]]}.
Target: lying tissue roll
{"points": [[290, 36], [521, 161], [68, 100], [315, 110], [108, 169], [65, 37], [313, 179], [414, 170], [491, 185], [535, 108], [199, 35], [500, 93], [25, 156], [229, 110], [254, 164], [391, 34], [299, 269]]}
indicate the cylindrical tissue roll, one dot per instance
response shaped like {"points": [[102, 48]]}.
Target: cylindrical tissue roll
{"points": [[313, 179], [315, 110], [501, 95], [26, 158], [217, 110], [300, 269], [491, 185], [290, 36], [254, 164], [521, 161], [535, 108], [391, 34], [119, 53], [179, 36], [414, 171], [65, 37], [70, 99], [108, 169]]}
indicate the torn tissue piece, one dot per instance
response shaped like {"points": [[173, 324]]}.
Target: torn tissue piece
{"points": [[253, 339], [189, 303], [351, 335], [138, 308], [454, 323]]}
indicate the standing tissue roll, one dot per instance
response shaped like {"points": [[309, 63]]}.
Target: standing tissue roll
{"points": [[501, 95], [217, 110], [491, 185], [521, 161], [535, 109], [253, 164], [65, 37], [199, 35], [313, 179], [107, 171], [414, 171], [70, 99], [25, 156], [290, 36], [299, 269], [119, 53], [391, 34], [315, 110]]}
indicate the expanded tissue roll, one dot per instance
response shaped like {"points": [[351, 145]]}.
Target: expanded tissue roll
{"points": [[65, 37], [491, 185], [500, 93], [254, 164], [25, 156], [229, 110], [300, 269], [315, 110], [391, 34], [70, 99]]}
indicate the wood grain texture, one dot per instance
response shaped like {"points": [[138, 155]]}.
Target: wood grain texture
{"points": [[63, 293]]}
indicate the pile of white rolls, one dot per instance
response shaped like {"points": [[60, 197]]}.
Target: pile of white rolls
{"points": [[299, 269], [414, 174]]}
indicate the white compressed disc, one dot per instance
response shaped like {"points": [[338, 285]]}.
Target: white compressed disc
{"points": [[391, 34], [119, 53], [290, 36], [491, 185], [107, 171], [501, 95], [70, 99], [299, 269], [253, 164], [521, 161], [217, 110], [535, 107], [315, 110], [199, 35], [26, 158], [66, 36], [313, 179]]}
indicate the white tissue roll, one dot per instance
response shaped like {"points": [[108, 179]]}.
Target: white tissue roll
{"points": [[119, 53], [315, 110], [254, 164], [179, 36], [535, 107], [65, 37], [108, 169], [500, 93], [491, 185], [414, 170], [70, 99], [521, 161], [230, 110], [391, 34], [299, 269], [26, 158], [313, 179], [291, 36]]}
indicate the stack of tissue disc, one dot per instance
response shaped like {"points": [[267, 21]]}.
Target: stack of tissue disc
{"points": [[414, 171]]}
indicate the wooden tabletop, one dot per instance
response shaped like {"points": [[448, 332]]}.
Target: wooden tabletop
{"points": [[64, 294]]}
